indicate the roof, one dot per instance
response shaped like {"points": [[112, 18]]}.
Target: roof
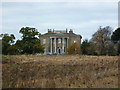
{"points": [[49, 34], [60, 34]]}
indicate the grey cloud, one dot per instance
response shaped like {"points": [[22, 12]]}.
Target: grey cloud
{"points": [[83, 17]]}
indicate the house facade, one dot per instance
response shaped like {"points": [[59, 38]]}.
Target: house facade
{"points": [[58, 41]]}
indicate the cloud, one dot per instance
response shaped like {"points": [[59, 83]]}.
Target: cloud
{"points": [[83, 17]]}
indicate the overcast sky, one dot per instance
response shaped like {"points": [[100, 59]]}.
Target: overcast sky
{"points": [[83, 17]]}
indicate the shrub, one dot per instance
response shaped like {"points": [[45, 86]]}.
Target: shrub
{"points": [[74, 49]]}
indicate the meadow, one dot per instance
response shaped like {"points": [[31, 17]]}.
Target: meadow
{"points": [[59, 71]]}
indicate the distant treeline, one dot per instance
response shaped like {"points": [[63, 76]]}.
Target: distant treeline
{"points": [[29, 43], [103, 42]]}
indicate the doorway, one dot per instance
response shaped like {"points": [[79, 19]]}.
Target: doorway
{"points": [[59, 50]]}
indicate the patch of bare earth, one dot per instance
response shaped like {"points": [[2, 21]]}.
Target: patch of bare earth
{"points": [[32, 71]]}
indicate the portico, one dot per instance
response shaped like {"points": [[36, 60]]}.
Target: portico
{"points": [[58, 44], [58, 41]]}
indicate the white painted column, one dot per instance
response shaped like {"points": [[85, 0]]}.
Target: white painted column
{"points": [[55, 43], [67, 43], [62, 45], [51, 45]]}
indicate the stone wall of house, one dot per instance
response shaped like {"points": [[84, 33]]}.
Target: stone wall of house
{"points": [[58, 47]]}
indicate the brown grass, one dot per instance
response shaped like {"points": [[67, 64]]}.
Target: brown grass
{"points": [[32, 71]]}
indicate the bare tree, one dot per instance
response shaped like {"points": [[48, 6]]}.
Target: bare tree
{"points": [[100, 38]]}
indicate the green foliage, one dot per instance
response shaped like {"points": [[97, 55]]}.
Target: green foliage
{"points": [[29, 35], [13, 50], [91, 48], [84, 46], [112, 54], [30, 43], [7, 41], [74, 49], [7, 56], [119, 48], [0, 46], [116, 38], [38, 47], [95, 53], [116, 35]]}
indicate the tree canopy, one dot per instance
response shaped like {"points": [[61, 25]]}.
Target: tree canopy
{"points": [[7, 41], [74, 49], [103, 42], [84, 46], [30, 43], [100, 38], [116, 38], [116, 35]]}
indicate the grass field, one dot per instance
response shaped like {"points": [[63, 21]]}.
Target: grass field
{"points": [[64, 71]]}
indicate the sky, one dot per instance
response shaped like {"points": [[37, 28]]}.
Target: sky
{"points": [[83, 16]]}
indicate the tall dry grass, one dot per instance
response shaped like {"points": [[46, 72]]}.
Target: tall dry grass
{"points": [[32, 71]]}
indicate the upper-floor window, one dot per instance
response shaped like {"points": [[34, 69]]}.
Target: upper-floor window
{"points": [[59, 40], [44, 41]]}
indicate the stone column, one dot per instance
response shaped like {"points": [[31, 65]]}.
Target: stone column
{"points": [[55, 43], [67, 43], [51, 45], [62, 45]]}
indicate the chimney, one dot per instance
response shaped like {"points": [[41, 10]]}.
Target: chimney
{"points": [[71, 31], [53, 30], [66, 30], [49, 30]]}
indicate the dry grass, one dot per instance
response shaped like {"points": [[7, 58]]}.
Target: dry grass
{"points": [[60, 71]]}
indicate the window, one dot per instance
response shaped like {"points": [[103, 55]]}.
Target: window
{"points": [[59, 40], [44, 41]]}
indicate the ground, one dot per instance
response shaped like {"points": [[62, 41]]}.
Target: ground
{"points": [[60, 71]]}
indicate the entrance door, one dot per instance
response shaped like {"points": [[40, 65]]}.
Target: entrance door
{"points": [[59, 50]]}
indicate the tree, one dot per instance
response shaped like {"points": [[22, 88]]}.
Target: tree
{"points": [[74, 49], [0, 46], [38, 47], [30, 37], [20, 46], [116, 35], [91, 49], [13, 50], [84, 46], [100, 37], [116, 38], [7, 41]]}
